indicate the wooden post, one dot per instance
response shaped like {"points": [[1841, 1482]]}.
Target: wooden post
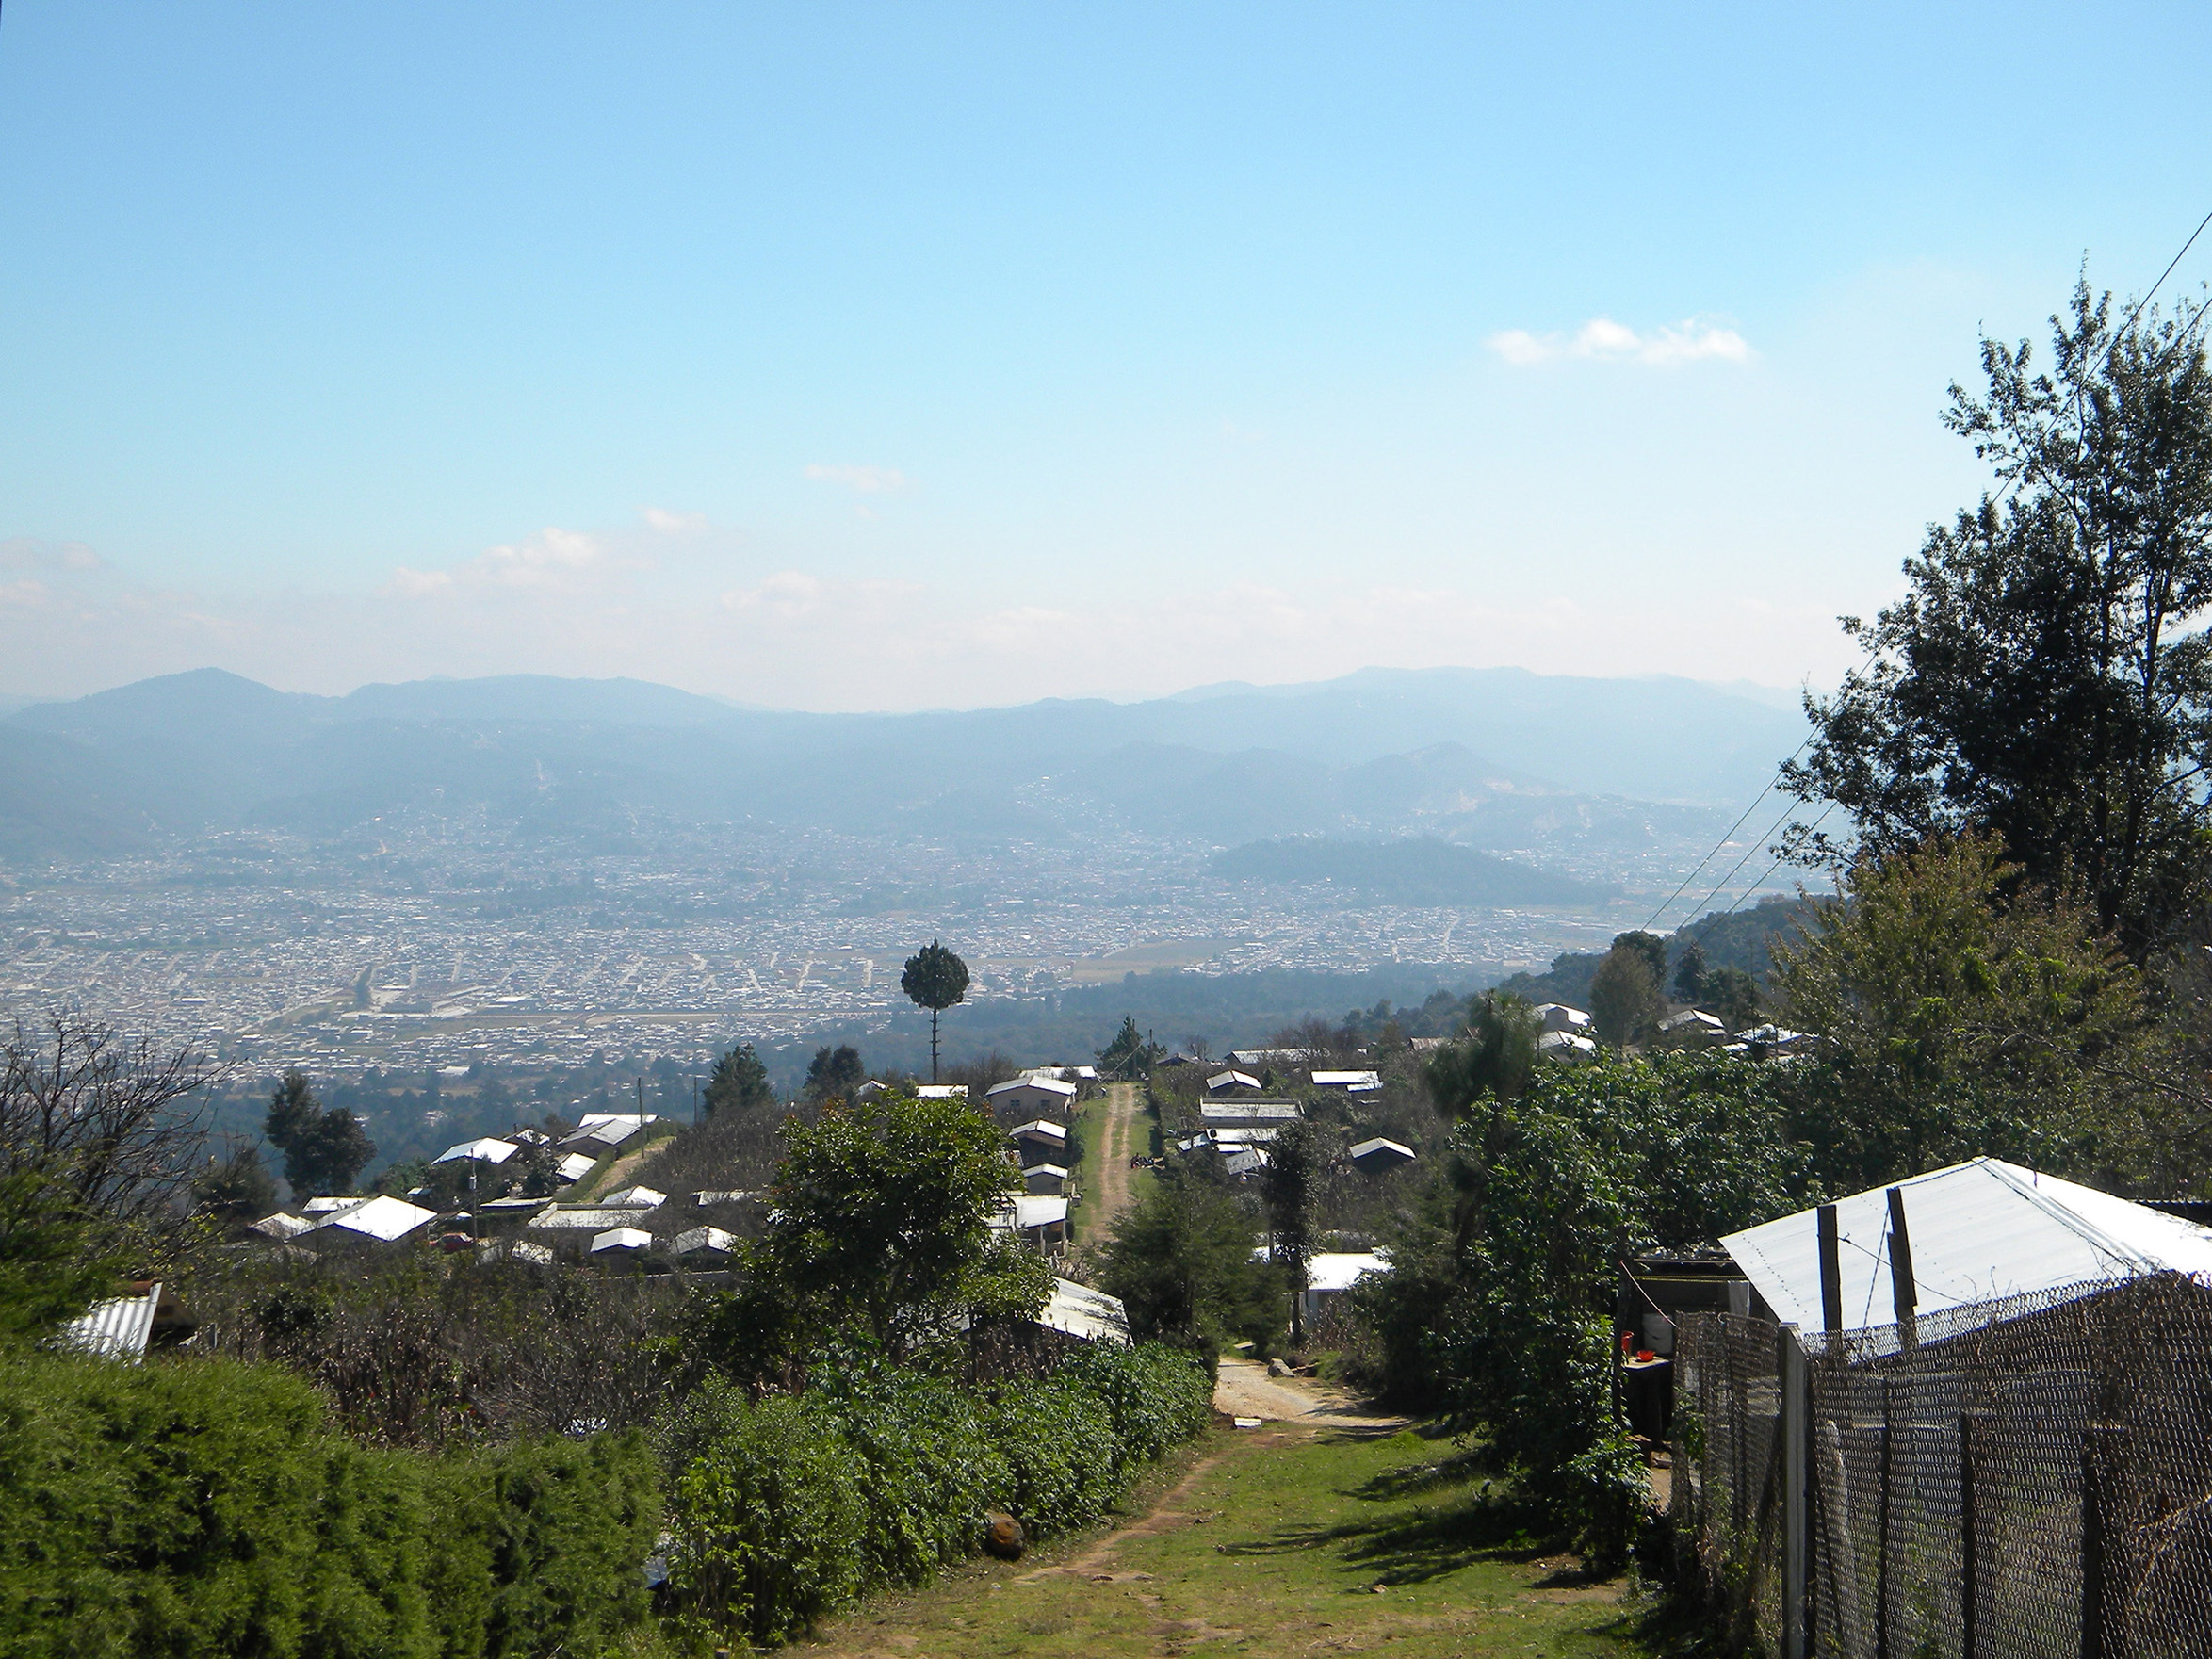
{"points": [[1790, 1430], [1968, 1543], [1882, 1559], [2092, 1544], [1904, 1290], [1831, 1272]]}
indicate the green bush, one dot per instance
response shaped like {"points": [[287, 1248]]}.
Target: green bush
{"points": [[206, 1507], [787, 1508], [1062, 1457], [768, 1515], [930, 1468]]}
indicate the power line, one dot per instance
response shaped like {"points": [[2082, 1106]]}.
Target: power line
{"points": [[2140, 306]]}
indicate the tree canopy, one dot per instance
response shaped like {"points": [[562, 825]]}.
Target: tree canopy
{"points": [[2046, 677], [880, 1222], [738, 1084], [325, 1150], [935, 980]]}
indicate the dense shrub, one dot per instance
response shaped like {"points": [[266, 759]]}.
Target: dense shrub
{"points": [[207, 1507], [786, 1508], [1061, 1455]]}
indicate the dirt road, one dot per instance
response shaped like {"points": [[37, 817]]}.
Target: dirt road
{"points": [[1244, 1388], [1122, 1135]]}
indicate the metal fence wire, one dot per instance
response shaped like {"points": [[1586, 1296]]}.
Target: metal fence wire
{"points": [[2029, 1477]]}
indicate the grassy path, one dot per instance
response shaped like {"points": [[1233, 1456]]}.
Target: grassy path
{"points": [[1114, 1131], [1282, 1541]]}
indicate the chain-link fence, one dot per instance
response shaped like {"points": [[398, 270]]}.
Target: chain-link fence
{"points": [[2030, 1477]]}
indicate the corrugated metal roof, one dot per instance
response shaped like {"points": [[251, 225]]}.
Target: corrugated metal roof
{"points": [[1977, 1232], [1080, 1312], [485, 1150], [1370, 1148], [693, 1240], [382, 1217], [1029, 1212], [621, 1238], [595, 1217], [118, 1328]]}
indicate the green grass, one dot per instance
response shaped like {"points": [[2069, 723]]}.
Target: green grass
{"points": [[1277, 1544], [1090, 1120]]}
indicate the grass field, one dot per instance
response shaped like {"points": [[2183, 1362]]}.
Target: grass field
{"points": [[1103, 1181], [1270, 1542]]}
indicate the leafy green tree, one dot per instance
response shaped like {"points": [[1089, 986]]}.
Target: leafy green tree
{"points": [[740, 1083], [880, 1220], [2046, 677], [235, 1189], [1962, 1014], [1132, 1054], [1734, 994], [936, 979], [1624, 995], [1689, 973], [1650, 945], [835, 1073], [324, 1151], [1180, 1260], [1297, 1162], [1493, 1060]]}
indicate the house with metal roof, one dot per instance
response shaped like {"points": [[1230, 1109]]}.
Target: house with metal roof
{"points": [[1955, 1239], [1351, 1082], [1031, 1093], [380, 1220]]}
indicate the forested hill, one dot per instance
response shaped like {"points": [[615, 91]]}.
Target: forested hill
{"points": [[1418, 872], [1742, 939]]}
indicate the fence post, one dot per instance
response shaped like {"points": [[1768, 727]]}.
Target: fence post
{"points": [[1968, 1543], [1882, 1556], [2092, 1542], [1795, 1447]]}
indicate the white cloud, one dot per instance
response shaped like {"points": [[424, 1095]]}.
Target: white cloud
{"points": [[1605, 340], [674, 524], [865, 480]]}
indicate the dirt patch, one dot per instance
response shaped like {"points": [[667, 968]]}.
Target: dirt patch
{"points": [[1117, 1137], [1244, 1388]]}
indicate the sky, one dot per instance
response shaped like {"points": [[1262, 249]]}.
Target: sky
{"points": [[837, 356]]}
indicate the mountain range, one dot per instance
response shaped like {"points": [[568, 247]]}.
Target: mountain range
{"points": [[1489, 758]]}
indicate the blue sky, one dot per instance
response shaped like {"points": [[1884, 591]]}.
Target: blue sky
{"points": [[841, 356]]}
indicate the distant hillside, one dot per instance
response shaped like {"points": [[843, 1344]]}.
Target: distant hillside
{"points": [[1422, 872], [1743, 939], [1497, 758]]}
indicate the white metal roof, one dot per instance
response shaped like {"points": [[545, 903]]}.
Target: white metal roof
{"points": [[1080, 1312], [694, 1239], [1356, 1082], [1978, 1231], [1052, 1131], [1051, 1169], [116, 1328], [485, 1150], [1248, 1112], [1342, 1270], [575, 1167], [1027, 1211], [382, 1217], [1228, 1079], [281, 1227], [621, 1238], [941, 1092], [1690, 1016], [634, 1199], [594, 1119], [1050, 1085], [1370, 1148], [1558, 1016]]}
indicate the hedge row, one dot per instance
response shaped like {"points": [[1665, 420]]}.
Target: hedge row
{"points": [[786, 1509], [207, 1507]]}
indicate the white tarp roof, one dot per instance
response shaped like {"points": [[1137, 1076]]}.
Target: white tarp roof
{"points": [[1977, 1232], [487, 1150], [1080, 1312]]}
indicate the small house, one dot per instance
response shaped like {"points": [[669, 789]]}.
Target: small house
{"points": [[1040, 1221], [1040, 1142], [1377, 1156], [380, 1220], [705, 1246], [622, 1244], [1693, 1024], [634, 1199], [1566, 1047], [602, 1132], [1558, 1016], [1031, 1093], [485, 1150], [1051, 1179], [1232, 1082]]}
